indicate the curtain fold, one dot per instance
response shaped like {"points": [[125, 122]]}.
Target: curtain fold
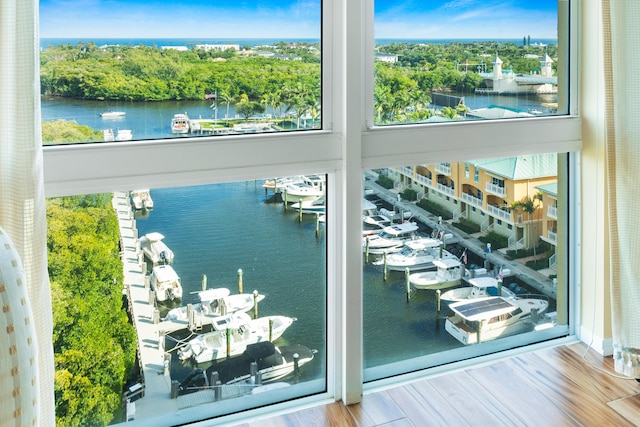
{"points": [[621, 59], [23, 210]]}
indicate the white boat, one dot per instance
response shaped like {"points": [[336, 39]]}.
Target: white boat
{"points": [[374, 224], [390, 239], [417, 254], [124, 135], [242, 331], [180, 123], [165, 282], [279, 184], [484, 319], [449, 272], [112, 114], [141, 199], [215, 302], [481, 287], [316, 206], [271, 363], [155, 249], [310, 188]]}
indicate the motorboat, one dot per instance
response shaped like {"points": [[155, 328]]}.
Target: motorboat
{"points": [[390, 239], [155, 250], [180, 123], [124, 135], [316, 206], [165, 282], [481, 287], [417, 254], [213, 303], [484, 319], [270, 363], [234, 331], [448, 273], [112, 114], [141, 199], [279, 184], [310, 188]]}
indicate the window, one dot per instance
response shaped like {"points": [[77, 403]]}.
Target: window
{"points": [[352, 139]]}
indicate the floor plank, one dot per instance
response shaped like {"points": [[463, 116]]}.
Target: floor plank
{"points": [[375, 409], [628, 407]]}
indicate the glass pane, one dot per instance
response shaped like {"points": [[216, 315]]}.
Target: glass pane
{"points": [[148, 70], [464, 60], [183, 278], [457, 266]]}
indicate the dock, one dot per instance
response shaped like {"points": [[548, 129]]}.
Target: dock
{"points": [[155, 397], [156, 382]]}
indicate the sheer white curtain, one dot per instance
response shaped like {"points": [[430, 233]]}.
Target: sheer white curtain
{"points": [[22, 203], [621, 36]]}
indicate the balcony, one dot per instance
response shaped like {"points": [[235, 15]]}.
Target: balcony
{"points": [[496, 189], [551, 237], [445, 190], [407, 171], [423, 180], [552, 212], [499, 213], [469, 199], [443, 168]]}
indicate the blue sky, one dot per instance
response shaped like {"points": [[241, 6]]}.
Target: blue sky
{"points": [[293, 18]]}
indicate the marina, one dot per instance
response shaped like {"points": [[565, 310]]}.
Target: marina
{"points": [[229, 254]]}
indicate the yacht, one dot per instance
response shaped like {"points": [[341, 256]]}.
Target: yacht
{"points": [[180, 123], [390, 239], [418, 254]]}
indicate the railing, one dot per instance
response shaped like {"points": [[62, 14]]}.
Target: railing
{"points": [[457, 215], [474, 201], [486, 226], [496, 189], [446, 190], [405, 170], [552, 212], [400, 186], [443, 169], [516, 244], [499, 213], [421, 179], [553, 236], [553, 261]]}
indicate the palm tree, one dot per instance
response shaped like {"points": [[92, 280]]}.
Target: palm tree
{"points": [[227, 98], [529, 205]]}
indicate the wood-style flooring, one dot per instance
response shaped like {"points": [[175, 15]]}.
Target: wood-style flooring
{"points": [[549, 387]]}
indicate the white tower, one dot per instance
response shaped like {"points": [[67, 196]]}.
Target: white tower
{"points": [[545, 66], [497, 69]]}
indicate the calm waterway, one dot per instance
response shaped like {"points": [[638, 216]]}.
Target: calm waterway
{"points": [[214, 230]]}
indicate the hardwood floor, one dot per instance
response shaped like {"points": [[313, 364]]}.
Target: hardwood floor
{"points": [[548, 387]]}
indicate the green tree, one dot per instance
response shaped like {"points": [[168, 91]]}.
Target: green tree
{"points": [[529, 205]]}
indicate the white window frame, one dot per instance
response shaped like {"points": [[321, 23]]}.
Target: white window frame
{"points": [[347, 145]]}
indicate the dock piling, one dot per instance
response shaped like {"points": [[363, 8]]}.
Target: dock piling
{"points": [[255, 304], [384, 267], [407, 272], [204, 282], [239, 280]]}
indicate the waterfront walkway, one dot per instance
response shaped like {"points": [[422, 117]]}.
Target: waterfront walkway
{"points": [[156, 380]]}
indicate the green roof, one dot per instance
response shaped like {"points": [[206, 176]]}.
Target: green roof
{"points": [[521, 167], [551, 189]]}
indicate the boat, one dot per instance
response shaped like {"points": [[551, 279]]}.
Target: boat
{"points": [[317, 206], [272, 363], [448, 273], [124, 135], [485, 319], [279, 184], [180, 123], [165, 282], [481, 287], [374, 224], [241, 330], [390, 239], [213, 303], [141, 199], [417, 254], [112, 114], [155, 249], [310, 188]]}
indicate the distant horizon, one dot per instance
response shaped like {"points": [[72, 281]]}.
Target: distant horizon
{"points": [[294, 19]]}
